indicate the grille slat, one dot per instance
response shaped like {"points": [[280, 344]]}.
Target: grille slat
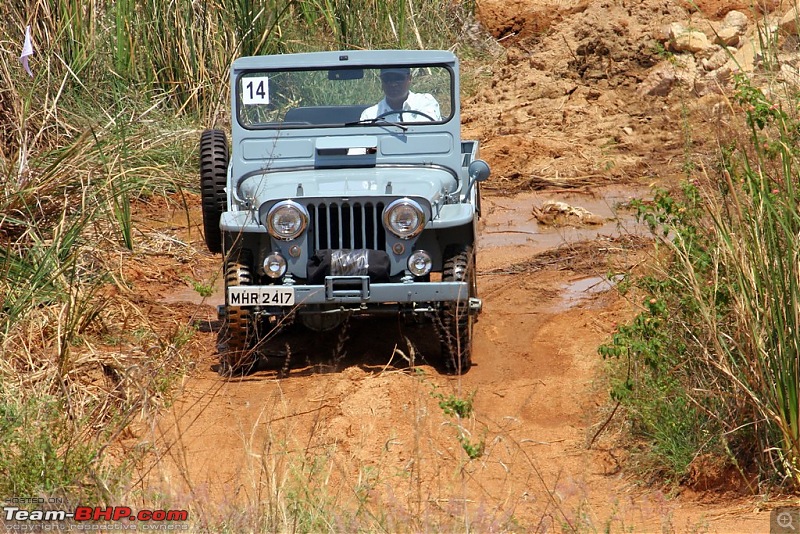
{"points": [[342, 213], [363, 227], [352, 228], [347, 226]]}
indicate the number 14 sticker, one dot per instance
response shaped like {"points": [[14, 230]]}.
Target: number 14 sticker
{"points": [[255, 90]]}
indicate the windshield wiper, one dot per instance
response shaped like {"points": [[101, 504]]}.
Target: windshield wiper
{"points": [[376, 120]]}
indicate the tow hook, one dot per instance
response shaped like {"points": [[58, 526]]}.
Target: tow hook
{"points": [[475, 305]]}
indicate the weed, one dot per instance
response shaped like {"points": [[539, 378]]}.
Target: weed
{"points": [[454, 406], [41, 453], [461, 409], [660, 51], [473, 450], [204, 289]]}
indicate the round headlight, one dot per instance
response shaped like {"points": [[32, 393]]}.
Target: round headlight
{"points": [[404, 218], [420, 263], [274, 265], [287, 220]]}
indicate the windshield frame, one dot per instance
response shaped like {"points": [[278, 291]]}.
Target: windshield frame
{"points": [[239, 105]]}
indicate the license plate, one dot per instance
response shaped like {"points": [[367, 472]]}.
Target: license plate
{"points": [[261, 296]]}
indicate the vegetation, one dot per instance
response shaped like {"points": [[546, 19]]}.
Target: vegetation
{"points": [[711, 364], [109, 119]]}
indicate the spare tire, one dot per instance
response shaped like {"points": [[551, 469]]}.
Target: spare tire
{"points": [[213, 178]]}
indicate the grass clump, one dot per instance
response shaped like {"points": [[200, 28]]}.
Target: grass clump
{"points": [[711, 363], [40, 455]]}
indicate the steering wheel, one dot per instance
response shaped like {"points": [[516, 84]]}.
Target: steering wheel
{"points": [[401, 112]]}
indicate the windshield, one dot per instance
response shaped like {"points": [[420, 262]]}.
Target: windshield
{"points": [[345, 96]]}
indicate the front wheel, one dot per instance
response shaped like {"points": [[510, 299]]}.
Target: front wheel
{"points": [[455, 320], [239, 334]]}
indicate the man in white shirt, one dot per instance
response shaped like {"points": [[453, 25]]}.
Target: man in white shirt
{"points": [[399, 103]]}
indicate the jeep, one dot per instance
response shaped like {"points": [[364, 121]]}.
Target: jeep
{"points": [[331, 203]]}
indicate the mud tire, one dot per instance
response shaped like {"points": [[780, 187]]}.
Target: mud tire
{"points": [[455, 322], [213, 178], [239, 333]]}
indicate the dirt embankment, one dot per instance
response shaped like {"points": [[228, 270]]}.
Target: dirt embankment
{"points": [[572, 115]]}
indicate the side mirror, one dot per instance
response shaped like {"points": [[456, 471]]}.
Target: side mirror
{"points": [[478, 171]]}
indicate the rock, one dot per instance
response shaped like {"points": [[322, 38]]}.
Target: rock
{"points": [[669, 32], [659, 82], [558, 213], [735, 20], [790, 74], [790, 22], [727, 37], [664, 76], [717, 60], [745, 57], [714, 82], [692, 41]]}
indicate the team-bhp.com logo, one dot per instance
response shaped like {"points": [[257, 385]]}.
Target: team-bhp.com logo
{"points": [[116, 518]]}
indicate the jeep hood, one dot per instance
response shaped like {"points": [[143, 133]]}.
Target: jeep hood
{"points": [[429, 183]]}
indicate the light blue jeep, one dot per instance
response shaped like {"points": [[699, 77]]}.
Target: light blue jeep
{"points": [[333, 202]]}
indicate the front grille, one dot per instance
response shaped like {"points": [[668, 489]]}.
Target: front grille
{"points": [[347, 225]]}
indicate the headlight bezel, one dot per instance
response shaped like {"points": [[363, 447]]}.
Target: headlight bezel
{"points": [[302, 215], [402, 203]]}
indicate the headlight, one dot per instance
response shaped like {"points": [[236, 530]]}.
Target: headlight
{"points": [[404, 218], [274, 265], [420, 263], [287, 220]]}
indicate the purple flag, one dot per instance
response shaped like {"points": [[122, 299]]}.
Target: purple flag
{"points": [[27, 50]]}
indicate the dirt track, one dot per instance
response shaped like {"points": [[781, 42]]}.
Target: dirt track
{"points": [[561, 114]]}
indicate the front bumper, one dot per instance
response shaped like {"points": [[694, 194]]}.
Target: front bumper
{"points": [[359, 289], [360, 292]]}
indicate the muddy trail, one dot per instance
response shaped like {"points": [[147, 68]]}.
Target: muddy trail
{"points": [[576, 119]]}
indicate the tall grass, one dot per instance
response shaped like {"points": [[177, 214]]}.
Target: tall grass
{"points": [[60, 231], [712, 364], [182, 50]]}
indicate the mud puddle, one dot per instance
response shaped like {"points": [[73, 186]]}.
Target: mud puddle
{"points": [[512, 221], [578, 292]]}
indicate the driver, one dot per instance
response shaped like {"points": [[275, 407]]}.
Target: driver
{"points": [[399, 103]]}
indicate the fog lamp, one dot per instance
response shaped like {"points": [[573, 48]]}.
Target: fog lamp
{"points": [[274, 265], [420, 263]]}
